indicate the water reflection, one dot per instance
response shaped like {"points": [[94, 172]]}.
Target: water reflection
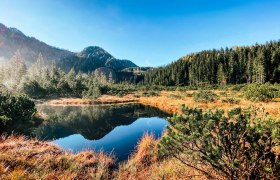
{"points": [[110, 128]]}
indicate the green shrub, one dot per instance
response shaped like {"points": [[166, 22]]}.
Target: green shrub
{"points": [[175, 96], [265, 92], [223, 93], [237, 87], [188, 94], [205, 96], [239, 145], [15, 109], [231, 100], [150, 93], [33, 89], [92, 93]]}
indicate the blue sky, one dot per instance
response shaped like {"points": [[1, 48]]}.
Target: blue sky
{"points": [[148, 32]]}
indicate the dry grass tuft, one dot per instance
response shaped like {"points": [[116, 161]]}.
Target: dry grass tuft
{"points": [[22, 158], [145, 164]]}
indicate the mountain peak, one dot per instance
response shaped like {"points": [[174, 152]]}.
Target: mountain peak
{"points": [[92, 51], [2, 25], [15, 30], [3, 28]]}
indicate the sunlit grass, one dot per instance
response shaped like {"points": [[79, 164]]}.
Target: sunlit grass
{"points": [[33, 159]]}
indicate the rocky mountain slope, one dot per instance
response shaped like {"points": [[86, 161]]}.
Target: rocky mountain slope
{"points": [[13, 40], [89, 59]]}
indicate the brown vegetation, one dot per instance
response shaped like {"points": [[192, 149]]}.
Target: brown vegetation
{"points": [[21, 158], [145, 163], [171, 101], [104, 99], [166, 103]]}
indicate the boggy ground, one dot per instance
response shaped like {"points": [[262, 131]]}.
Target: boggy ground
{"points": [[171, 101]]}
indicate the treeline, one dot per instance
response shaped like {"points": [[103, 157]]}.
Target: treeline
{"points": [[49, 81], [237, 65]]}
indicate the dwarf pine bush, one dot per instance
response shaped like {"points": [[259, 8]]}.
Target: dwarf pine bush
{"points": [[205, 96], [261, 92], [15, 109], [239, 145]]}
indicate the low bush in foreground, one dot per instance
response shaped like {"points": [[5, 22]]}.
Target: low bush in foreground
{"points": [[240, 145], [261, 92], [205, 96]]}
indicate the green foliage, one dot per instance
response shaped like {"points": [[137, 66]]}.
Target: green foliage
{"points": [[150, 93], [223, 93], [231, 100], [118, 89], [238, 65], [15, 108], [239, 145], [205, 96], [265, 92], [93, 92], [189, 94], [175, 96], [33, 89], [237, 87]]}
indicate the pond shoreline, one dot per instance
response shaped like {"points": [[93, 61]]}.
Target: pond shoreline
{"points": [[154, 101], [111, 100], [165, 101]]}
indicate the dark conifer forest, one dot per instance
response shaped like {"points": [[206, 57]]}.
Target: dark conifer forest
{"points": [[236, 65]]}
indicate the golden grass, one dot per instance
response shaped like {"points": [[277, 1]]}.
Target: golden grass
{"points": [[168, 104], [21, 158], [145, 164], [104, 99], [171, 101]]}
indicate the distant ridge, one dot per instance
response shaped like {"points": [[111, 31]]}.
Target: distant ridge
{"points": [[89, 59], [12, 40]]}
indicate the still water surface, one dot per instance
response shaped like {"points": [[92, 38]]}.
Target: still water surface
{"points": [[114, 128]]}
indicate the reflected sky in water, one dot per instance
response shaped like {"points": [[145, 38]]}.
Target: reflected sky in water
{"points": [[115, 128], [120, 140]]}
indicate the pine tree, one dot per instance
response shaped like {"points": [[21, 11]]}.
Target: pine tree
{"points": [[221, 75], [15, 71], [111, 80]]}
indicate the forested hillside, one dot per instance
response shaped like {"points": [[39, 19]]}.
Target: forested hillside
{"points": [[91, 58], [248, 64]]}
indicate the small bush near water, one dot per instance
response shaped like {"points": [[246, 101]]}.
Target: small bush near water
{"points": [[240, 145], [93, 92], [15, 109], [205, 96]]}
